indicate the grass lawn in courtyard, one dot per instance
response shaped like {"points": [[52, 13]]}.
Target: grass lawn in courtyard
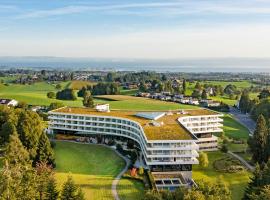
{"points": [[237, 182], [93, 167]]}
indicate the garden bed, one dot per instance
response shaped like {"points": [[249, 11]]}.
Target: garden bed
{"points": [[228, 164]]}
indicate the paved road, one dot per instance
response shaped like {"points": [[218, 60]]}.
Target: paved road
{"points": [[247, 165], [244, 119], [118, 177]]}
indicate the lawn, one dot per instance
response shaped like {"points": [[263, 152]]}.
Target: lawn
{"points": [[93, 167], [128, 189], [237, 182], [233, 129], [139, 103]]}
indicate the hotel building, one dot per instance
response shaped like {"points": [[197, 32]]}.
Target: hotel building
{"points": [[169, 141]]}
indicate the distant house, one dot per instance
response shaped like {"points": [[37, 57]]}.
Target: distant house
{"points": [[8, 102], [209, 103]]}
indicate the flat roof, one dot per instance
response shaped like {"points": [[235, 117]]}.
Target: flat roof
{"points": [[165, 127]]}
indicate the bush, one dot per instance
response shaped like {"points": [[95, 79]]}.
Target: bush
{"points": [[141, 171], [111, 142], [224, 148], [119, 148], [51, 95]]}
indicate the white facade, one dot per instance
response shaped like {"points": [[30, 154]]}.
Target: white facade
{"points": [[159, 155], [203, 127]]}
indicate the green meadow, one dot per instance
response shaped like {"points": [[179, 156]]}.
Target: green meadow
{"points": [[93, 168]]}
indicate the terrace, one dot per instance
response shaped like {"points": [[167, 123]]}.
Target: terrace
{"points": [[164, 127]]}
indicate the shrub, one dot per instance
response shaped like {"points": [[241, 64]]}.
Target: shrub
{"points": [[119, 148], [141, 171], [51, 95], [224, 148]]}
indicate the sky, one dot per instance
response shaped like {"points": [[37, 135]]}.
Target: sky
{"points": [[171, 29]]}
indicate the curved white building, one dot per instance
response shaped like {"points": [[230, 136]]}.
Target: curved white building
{"points": [[168, 140]]}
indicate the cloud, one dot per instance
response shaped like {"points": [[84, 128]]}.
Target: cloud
{"points": [[169, 8]]}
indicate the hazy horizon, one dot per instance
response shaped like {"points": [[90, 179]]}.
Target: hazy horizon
{"points": [[177, 65]]}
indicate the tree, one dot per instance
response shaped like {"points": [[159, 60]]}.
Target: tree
{"points": [[44, 151], [51, 95], [224, 148], [15, 152], [88, 100], [265, 93], [110, 76], [184, 85], [142, 87], [7, 129], [194, 195], [198, 86], [44, 173], [29, 129], [254, 183], [244, 103], [204, 94], [203, 160], [141, 171], [70, 191], [56, 105], [196, 93], [81, 92], [51, 190], [66, 94], [258, 141], [17, 176], [58, 86]]}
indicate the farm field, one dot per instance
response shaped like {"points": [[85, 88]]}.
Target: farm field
{"points": [[139, 103], [77, 85], [35, 94], [93, 167], [237, 182]]}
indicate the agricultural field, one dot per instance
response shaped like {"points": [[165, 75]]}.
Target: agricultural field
{"points": [[237, 181], [77, 85], [139, 103], [93, 167], [35, 94]]}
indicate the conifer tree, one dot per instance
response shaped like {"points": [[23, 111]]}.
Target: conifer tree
{"points": [[51, 190], [69, 190], [258, 142], [29, 129], [204, 94], [44, 151]]}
